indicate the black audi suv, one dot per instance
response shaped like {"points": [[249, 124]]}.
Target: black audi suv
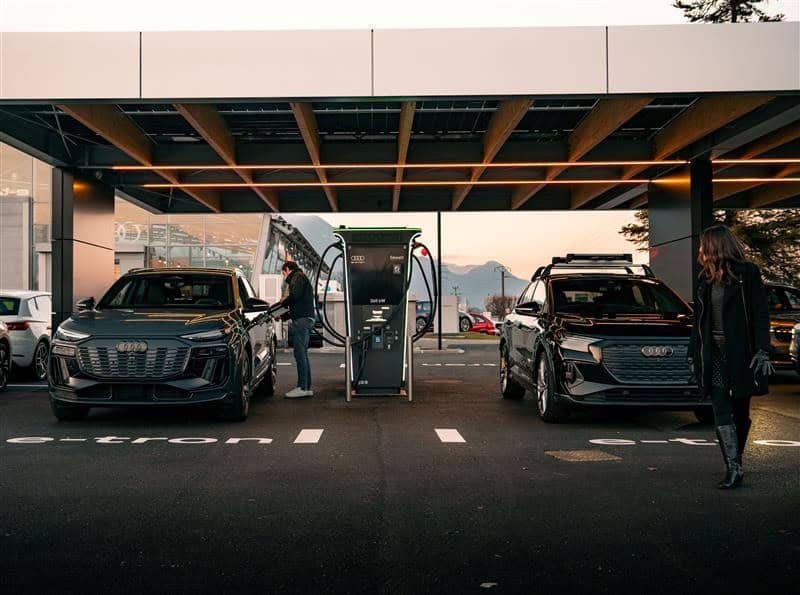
{"points": [[594, 330], [165, 337]]}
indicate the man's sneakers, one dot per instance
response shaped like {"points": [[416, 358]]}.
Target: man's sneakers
{"points": [[297, 393]]}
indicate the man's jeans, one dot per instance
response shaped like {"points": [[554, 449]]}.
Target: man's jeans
{"points": [[301, 330]]}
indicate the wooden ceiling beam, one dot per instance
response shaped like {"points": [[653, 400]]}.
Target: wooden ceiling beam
{"points": [[209, 124], [503, 122], [307, 123], [605, 118], [403, 139], [703, 117], [108, 121]]}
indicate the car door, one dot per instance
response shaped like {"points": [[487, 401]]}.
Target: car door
{"points": [[513, 324], [531, 325], [256, 325]]}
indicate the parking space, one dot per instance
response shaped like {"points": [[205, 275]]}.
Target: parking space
{"points": [[459, 490]]}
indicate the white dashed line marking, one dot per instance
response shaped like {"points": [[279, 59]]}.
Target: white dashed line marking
{"points": [[449, 435], [284, 363], [455, 365], [654, 441], [72, 440], [308, 437], [491, 365], [431, 364]]}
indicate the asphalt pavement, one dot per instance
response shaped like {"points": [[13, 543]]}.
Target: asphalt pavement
{"points": [[459, 491]]}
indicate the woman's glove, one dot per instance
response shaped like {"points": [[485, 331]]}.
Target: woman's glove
{"points": [[761, 364]]}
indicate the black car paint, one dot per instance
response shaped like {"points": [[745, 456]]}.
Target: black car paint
{"points": [[247, 329], [532, 331]]}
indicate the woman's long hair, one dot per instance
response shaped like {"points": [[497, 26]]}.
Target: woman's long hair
{"points": [[720, 252]]}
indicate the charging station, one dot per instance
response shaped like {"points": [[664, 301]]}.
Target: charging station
{"points": [[378, 267]]}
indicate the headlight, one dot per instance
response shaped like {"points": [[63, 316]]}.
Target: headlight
{"points": [[205, 336], [581, 344], [70, 336], [65, 350]]}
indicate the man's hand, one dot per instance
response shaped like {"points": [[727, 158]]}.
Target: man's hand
{"points": [[761, 365]]}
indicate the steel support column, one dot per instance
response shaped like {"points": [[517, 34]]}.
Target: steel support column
{"points": [[680, 206], [83, 240]]}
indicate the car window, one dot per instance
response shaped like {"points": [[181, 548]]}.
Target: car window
{"points": [[792, 298], [33, 310], [9, 306], [527, 295], [616, 297], [244, 295], [775, 299], [170, 290], [540, 293]]}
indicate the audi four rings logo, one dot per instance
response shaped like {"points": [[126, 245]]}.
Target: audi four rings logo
{"points": [[132, 347], [657, 351], [358, 258]]}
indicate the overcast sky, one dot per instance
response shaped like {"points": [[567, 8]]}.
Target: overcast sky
{"points": [[153, 15]]}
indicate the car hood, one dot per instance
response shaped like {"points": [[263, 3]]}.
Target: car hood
{"points": [[146, 323], [628, 327]]}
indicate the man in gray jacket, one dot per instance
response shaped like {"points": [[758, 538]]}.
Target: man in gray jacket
{"points": [[301, 311]]}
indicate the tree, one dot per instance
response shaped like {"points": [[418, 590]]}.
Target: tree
{"points": [[725, 11], [771, 238], [498, 306]]}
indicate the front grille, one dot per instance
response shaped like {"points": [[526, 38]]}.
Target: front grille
{"points": [[628, 365], [103, 361]]}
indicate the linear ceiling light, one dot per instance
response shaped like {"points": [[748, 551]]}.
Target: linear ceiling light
{"points": [[392, 183], [757, 161], [754, 180], [512, 164]]}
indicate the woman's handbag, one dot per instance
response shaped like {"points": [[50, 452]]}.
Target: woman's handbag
{"points": [[760, 381]]}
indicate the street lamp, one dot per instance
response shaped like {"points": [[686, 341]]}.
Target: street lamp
{"points": [[503, 271]]}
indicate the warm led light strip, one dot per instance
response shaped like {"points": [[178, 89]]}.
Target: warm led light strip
{"points": [[389, 184], [754, 180], [510, 164]]}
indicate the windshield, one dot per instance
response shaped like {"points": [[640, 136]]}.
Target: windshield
{"points": [[170, 291], [783, 299], [611, 297], [9, 306]]}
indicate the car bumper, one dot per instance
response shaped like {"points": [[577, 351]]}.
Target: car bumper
{"points": [[102, 394]]}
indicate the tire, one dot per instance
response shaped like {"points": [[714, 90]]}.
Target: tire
{"points": [[38, 368], [704, 415], [238, 409], [464, 324], [64, 412], [509, 388], [266, 388], [5, 366], [550, 410]]}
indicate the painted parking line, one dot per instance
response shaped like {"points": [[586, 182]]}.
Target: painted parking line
{"points": [[449, 435], [284, 363], [456, 365], [307, 436]]}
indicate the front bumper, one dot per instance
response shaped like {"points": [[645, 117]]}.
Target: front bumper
{"points": [[207, 376]]}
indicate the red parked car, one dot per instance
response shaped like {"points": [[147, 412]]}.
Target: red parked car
{"points": [[481, 324]]}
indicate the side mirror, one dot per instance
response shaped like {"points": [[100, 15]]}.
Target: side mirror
{"points": [[527, 308], [85, 304], [256, 305]]}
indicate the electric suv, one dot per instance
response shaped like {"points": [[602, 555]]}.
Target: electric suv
{"points": [[165, 337], [594, 330]]}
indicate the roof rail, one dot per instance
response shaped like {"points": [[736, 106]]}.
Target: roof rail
{"points": [[594, 258], [593, 261]]}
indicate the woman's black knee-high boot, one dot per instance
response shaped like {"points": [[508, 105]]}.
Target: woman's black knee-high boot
{"points": [[729, 445]]}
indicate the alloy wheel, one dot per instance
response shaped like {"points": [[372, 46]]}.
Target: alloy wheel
{"points": [[40, 361], [541, 387]]}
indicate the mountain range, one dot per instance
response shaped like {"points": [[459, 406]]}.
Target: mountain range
{"points": [[474, 283]]}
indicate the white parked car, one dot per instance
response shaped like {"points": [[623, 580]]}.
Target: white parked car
{"points": [[27, 316]]}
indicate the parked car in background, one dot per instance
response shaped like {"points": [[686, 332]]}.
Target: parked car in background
{"points": [[481, 324], [166, 337], [784, 314], [590, 331], [27, 315], [465, 320], [794, 348], [5, 356]]}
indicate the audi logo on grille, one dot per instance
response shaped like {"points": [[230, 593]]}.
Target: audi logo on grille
{"points": [[657, 351], [358, 258], [132, 347]]}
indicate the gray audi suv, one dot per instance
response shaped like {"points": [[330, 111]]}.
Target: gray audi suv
{"points": [[165, 337]]}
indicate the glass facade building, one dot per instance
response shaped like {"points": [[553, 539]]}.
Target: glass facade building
{"points": [[253, 242]]}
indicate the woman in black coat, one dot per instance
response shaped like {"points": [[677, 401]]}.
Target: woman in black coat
{"points": [[730, 347]]}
